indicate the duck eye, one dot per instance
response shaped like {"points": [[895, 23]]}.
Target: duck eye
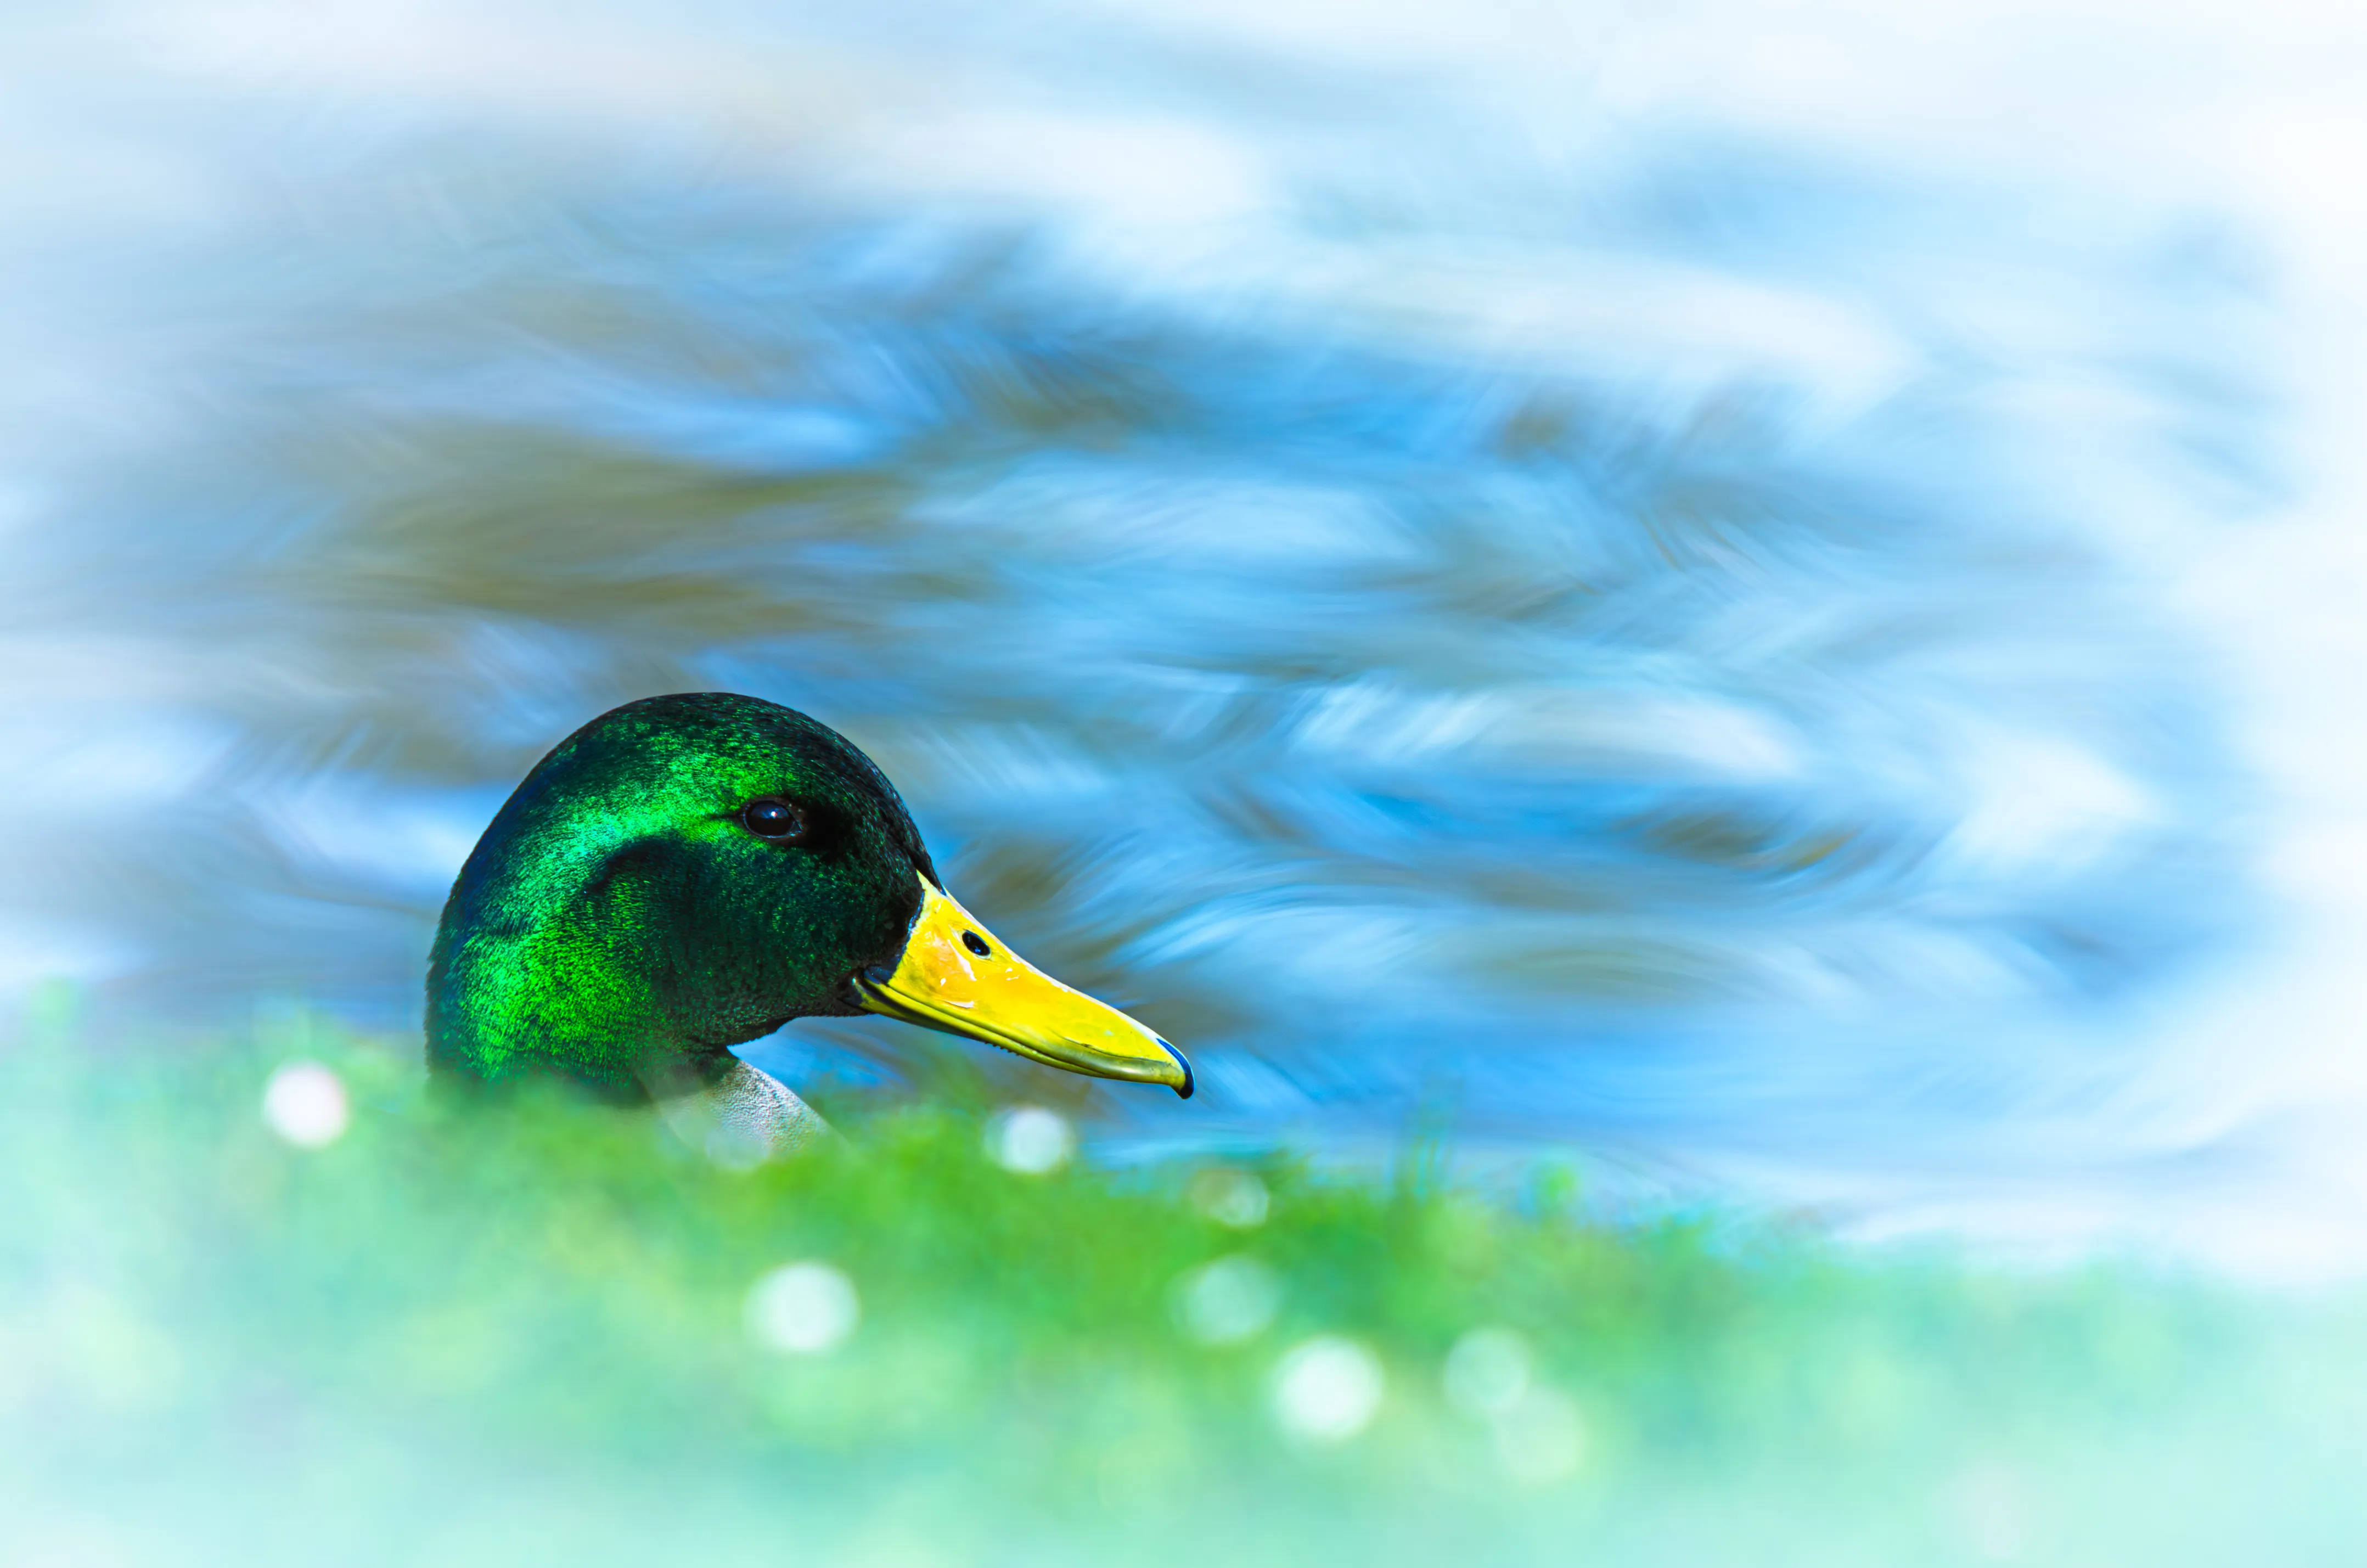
{"points": [[775, 820]]}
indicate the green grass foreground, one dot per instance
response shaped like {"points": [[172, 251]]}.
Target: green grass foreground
{"points": [[525, 1337]]}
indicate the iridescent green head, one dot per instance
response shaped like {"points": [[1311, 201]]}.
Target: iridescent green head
{"points": [[687, 872]]}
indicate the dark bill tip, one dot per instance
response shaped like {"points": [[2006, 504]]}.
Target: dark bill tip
{"points": [[1183, 1089]]}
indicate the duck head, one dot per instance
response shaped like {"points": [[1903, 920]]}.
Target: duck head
{"points": [[684, 873]]}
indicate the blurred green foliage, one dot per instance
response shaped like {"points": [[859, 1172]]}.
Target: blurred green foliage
{"points": [[475, 1335]]}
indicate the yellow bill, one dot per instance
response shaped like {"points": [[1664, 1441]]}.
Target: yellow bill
{"points": [[956, 976]]}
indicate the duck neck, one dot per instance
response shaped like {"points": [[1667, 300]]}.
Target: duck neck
{"points": [[586, 1002], [745, 1117]]}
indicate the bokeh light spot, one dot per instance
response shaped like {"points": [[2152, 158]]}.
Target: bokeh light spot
{"points": [[1491, 1376], [1226, 1301], [1231, 1198], [1031, 1139], [305, 1104], [1328, 1389], [1542, 1438], [1488, 1373], [802, 1309]]}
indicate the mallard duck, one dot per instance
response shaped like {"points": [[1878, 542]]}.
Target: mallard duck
{"points": [[687, 872]]}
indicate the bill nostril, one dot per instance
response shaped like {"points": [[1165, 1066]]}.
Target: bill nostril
{"points": [[977, 944]]}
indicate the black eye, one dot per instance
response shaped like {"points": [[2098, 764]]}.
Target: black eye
{"points": [[976, 943], [776, 820]]}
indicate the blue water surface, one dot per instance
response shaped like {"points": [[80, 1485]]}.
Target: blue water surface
{"points": [[1648, 642]]}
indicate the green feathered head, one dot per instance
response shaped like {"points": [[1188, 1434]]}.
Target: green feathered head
{"points": [[687, 872]]}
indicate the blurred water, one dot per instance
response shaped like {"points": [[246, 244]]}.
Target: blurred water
{"points": [[1471, 571]]}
